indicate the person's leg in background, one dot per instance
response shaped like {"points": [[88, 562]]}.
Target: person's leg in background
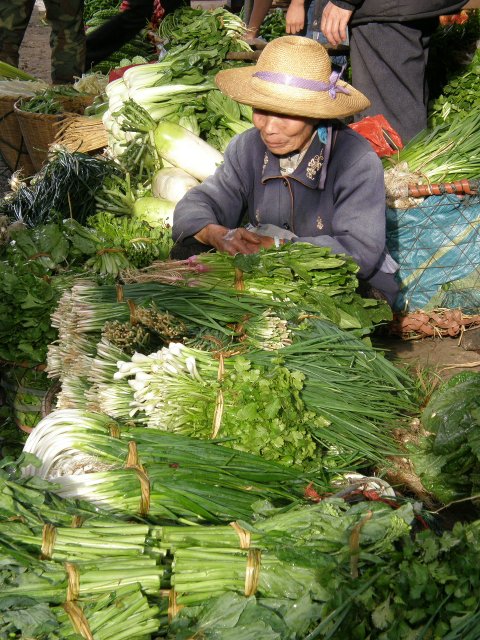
{"points": [[14, 18], [67, 39], [117, 31], [389, 66]]}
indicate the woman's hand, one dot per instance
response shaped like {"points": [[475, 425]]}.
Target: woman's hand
{"points": [[232, 241], [295, 17], [334, 23]]}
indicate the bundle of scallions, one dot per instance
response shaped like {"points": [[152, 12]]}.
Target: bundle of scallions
{"points": [[327, 394], [156, 475], [82, 312], [448, 152]]}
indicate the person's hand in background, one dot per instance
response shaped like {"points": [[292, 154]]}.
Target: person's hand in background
{"points": [[295, 16], [334, 23]]}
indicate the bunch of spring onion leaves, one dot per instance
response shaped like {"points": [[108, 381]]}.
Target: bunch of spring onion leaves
{"points": [[133, 471], [64, 188], [295, 273], [445, 153]]}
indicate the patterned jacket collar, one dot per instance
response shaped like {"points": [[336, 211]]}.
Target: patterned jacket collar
{"points": [[312, 170]]}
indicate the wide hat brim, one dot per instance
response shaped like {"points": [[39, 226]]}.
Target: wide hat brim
{"points": [[301, 59]]}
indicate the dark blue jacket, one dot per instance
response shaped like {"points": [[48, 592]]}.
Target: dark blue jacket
{"points": [[347, 214]]}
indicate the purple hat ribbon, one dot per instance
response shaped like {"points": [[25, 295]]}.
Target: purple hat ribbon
{"points": [[303, 83]]}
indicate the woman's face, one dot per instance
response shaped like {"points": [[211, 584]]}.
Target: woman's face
{"points": [[283, 134]]}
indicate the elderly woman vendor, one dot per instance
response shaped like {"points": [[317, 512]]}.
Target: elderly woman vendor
{"points": [[299, 175]]}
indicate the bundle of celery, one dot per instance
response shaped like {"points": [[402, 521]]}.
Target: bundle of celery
{"points": [[123, 613], [296, 273], [324, 527], [448, 152], [153, 474]]}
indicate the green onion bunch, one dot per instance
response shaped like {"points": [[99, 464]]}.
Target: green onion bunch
{"points": [[146, 472], [445, 153]]}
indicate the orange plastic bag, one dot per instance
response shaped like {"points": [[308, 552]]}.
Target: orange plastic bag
{"points": [[381, 135]]}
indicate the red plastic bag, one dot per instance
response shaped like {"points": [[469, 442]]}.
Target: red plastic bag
{"points": [[381, 135]]}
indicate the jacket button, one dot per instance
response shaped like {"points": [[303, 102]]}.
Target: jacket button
{"points": [[285, 182]]}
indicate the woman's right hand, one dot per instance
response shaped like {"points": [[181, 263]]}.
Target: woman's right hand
{"points": [[231, 241]]}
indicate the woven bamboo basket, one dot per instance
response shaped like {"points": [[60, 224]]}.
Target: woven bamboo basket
{"points": [[12, 145], [39, 129]]}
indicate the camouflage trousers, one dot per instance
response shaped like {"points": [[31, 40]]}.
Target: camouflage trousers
{"points": [[67, 38]]}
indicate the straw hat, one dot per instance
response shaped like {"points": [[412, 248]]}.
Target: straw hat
{"points": [[293, 76]]}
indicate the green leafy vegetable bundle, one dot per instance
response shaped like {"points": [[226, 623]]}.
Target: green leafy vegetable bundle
{"points": [[133, 471], [297, 274], [447, 458], [460, 95], [444, 153]]}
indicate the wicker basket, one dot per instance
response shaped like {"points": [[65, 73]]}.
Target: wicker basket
{"points": [[12, 145], [39, 129]]}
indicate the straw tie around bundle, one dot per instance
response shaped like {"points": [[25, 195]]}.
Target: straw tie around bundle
{"points": [[78, 620], [243, 535], [49, 535], [73, 586], [134, 464], [252, 571], [219, 404]]}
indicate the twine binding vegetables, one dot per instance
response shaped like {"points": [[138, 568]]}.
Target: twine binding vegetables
{"points": [[78, 619], [252, 571]]}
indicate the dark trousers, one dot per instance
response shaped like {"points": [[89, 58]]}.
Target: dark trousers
{"points": [[389, 63], [117, 31]]}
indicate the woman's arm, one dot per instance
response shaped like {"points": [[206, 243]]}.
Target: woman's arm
{"points": [[212, 212]]}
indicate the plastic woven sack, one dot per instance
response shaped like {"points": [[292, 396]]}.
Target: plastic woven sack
{"points": [[437, 245]]}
